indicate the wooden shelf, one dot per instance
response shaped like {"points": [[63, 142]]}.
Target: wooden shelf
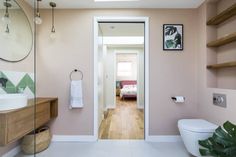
{"points": [[222, 65], [223, 16], [223, 41]]}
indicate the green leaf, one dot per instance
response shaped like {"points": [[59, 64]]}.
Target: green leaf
{"points": [[222, 143], [222, 134], [205, 152], [230, 128], [206, 143], [170, 43], [231, 150]]}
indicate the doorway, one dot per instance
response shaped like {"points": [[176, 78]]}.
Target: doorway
{"points": [[121, 65]]}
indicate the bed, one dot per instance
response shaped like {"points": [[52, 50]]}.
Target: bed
{"points": [[128, 89]]}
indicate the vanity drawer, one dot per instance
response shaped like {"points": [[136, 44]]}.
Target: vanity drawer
{"points": [[15, 124], [42, 114], [19, 123]]}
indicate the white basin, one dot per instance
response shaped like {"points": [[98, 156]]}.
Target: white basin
{"points": [[12, 101]]}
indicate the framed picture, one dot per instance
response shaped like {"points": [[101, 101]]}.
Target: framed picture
{"points": [[173, 37]]}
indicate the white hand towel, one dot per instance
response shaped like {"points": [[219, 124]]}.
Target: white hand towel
{"points": [[76, 95]]}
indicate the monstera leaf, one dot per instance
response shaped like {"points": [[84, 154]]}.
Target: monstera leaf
{"points": [[222, 143]]}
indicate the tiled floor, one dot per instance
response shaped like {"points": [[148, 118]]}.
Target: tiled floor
{"points": [[114, 149]]}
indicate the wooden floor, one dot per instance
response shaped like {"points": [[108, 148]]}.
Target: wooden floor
{"points": [[124, 122]]}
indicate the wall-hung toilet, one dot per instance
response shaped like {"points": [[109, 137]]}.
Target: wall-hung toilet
{"points": [[192, 130]]}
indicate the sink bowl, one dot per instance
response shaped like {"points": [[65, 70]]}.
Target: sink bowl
{"points": [[12, 101]]}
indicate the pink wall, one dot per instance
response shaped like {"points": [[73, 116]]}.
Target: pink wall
{"points": [[225, 78], [26, 65], [171, 73]]}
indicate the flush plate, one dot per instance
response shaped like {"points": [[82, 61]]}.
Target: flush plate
{"points": [[219, 100]]}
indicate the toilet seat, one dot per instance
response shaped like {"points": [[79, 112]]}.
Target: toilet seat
{"points": [[197, 125]]}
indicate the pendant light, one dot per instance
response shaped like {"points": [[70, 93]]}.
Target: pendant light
{"points": [[6, 18], [53, 31], [37, 19], [7, 31]]}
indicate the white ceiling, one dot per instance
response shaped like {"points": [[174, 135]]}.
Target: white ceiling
{"points": [[120, 34], [72, 4], [122, 29], [14, 5]]}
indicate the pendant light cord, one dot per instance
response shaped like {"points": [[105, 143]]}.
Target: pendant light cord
{"points": [[6, 8], [53, 5], [38, 7], [53, 17]]}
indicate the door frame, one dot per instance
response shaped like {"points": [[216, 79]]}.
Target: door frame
{"points": [[145, 20]]}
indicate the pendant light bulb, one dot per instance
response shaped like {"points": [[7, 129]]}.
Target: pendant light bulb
{"points": [[53, 33], [37, 19], [6, 18], [7, 30], [53, 30]]}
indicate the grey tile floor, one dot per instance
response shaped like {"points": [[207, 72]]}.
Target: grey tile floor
{"points": [[106, 148]]}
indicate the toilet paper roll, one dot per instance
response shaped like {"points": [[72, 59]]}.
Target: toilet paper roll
{"points": [[179, 99]]}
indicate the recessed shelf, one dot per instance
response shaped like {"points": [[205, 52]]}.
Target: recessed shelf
{"points": [[223, 41], [222, 65], [223, 16]]}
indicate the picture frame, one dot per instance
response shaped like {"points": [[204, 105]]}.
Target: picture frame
{"points": [[173, 37]]}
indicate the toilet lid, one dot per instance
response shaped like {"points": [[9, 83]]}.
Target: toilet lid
{"points": [[197, 125]]}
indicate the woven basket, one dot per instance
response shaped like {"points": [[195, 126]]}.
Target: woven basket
{"points": [[38, 142]]}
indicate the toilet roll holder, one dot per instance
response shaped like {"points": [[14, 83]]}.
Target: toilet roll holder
{"points": [[174, 98]]}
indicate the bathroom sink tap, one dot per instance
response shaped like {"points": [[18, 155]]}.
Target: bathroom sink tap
{"points": [[3, 82]]}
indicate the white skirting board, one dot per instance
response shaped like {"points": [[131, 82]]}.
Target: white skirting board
{"points": [[13, 152], [172, 138], [68, 138], [65, 138]]}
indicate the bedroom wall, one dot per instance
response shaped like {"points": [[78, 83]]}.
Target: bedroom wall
{"points": [[171, 73]]}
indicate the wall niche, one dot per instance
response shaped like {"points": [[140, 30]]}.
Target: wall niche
{"points": [[221, 44]]}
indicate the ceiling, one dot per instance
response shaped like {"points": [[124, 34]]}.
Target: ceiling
{"points": [[120, 34], [73, 4], [13, 5], [122, 29]]}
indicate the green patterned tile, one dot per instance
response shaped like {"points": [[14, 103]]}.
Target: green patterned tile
{"points": [[32, 88], [10, 87], [10, 90], [26, 81]]}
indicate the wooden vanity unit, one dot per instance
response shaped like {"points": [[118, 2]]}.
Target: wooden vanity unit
{"points": [[15, 124]]}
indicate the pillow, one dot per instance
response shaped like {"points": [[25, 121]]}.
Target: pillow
{"points": [[129, 86]]}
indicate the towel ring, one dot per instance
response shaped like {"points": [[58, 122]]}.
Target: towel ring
{"points": [[74, 71]]}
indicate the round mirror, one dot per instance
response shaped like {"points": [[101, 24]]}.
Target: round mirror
{"points": [[16, 36]]}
